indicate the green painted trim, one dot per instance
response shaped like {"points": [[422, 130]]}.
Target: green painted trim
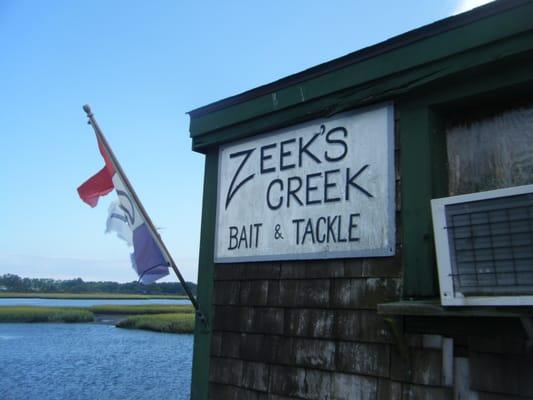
{"points": [[454, 42], [416, 192], [202, 334], [385, 89]]}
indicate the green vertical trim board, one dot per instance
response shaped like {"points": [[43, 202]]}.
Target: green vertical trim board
{"points": [[202, 334], [416, 172]]}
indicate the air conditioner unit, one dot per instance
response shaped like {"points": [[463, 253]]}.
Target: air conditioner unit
{"points": [[484, 245]]}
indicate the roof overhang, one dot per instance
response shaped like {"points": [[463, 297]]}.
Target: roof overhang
{"points": [[499, 30]]}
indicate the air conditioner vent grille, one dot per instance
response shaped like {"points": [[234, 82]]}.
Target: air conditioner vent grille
{"points": [[491, 245]]}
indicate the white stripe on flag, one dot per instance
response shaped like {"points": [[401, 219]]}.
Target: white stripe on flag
{"points": [[117, 221], [127, 203]]}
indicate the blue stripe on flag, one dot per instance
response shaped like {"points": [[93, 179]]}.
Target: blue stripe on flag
{"points": [[149, 261]]}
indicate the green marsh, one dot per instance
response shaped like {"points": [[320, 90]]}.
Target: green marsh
{"points": [[44, 314], [170, 323], [114, 309], [155, 317]]}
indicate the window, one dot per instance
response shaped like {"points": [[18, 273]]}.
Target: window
{"points": [[484, 237]]}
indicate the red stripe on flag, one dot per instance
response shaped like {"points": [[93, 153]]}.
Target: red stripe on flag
{"points": [[98, 185]]}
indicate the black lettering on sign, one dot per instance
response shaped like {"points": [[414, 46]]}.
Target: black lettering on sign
{"points": [[298, 222], [331, 233], [310, 188], [231, 190], [308, 231], [280, 202], [320, 238], [352, 226], [293, 192], [328, 185], [233, 241], [242, 238], [265, 157], [340, 237], [246, 236], [257, 226], [284, 154], [350, 181], [330, 229], [338, 142], [304, 148]]}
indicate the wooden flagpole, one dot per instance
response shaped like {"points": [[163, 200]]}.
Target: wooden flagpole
{"points": [[149, 223]]}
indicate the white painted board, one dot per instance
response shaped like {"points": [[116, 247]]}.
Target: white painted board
{"points": [[321, 189]]}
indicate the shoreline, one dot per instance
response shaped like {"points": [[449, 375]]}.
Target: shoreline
{"points": [[89, 296], [154, 317]]}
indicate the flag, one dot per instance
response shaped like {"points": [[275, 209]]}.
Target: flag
{"points": [[117, 221], [126, 220]]}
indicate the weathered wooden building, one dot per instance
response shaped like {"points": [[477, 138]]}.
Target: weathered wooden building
{"points": [[319, 273]]}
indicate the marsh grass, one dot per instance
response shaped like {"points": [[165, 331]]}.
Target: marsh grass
{"points": [[170, 323], [44, 314], [155, 317], [112, 309]]}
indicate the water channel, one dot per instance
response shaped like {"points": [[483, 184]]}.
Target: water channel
{"points": [[91, 361]]}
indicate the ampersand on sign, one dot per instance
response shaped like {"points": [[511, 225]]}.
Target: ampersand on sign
{"points": [[277, 233]]}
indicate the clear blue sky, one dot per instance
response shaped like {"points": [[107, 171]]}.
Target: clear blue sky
{"points": [[142, 65]]}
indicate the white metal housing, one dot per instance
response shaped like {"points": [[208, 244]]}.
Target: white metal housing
{"points": [[448, 294]]}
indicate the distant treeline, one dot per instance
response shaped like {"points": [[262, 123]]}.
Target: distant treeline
{"points": [[14, 283]]}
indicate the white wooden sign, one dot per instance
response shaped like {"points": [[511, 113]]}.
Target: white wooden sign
{"points": [[322, 189]]}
